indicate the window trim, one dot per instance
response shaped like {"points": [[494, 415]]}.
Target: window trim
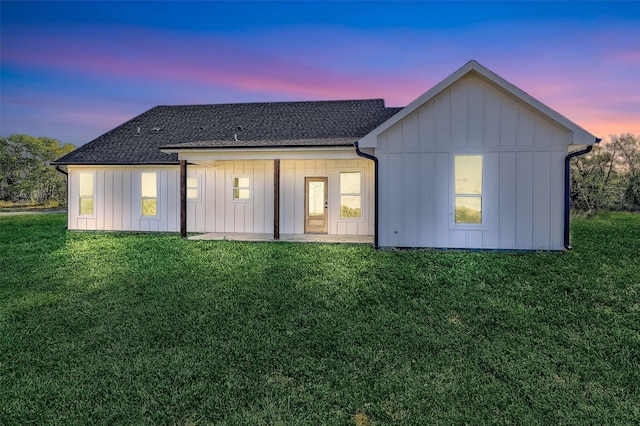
{"points": [[361, 195], [249, 187], [143, 198], [454, 196], [198, 188], [92, 197]]}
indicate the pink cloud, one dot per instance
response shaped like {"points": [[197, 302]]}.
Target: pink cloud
{"points": [[179, 68]]}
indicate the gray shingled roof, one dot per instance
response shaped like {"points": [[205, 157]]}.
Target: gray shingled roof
{"points": [[271, 124]]}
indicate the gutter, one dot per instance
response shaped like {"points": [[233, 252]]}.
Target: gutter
{"points": [[567, 190], [61, 171], [375, 191]]}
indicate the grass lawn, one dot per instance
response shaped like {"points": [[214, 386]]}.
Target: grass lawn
{"points": [[149, 329]]}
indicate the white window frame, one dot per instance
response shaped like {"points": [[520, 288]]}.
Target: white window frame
{"points": [[361, 195], [454, 196], [234, 188], [143, 198], [198, 188], [92, 197]]}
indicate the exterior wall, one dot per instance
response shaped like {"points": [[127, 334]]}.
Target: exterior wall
{"points": [[292, 174], [218, 212], [523, 166], [118, 203]]}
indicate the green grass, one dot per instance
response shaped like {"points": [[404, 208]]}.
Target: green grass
{"points": [[104, 328]]}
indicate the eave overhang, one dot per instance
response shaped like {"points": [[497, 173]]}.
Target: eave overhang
{"points": [[205, 156]]}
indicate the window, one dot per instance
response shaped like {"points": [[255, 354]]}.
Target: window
{"points": [[149, 194], [241, 189], [468, 189], [193, 189], [350, 195], [86, 193]]}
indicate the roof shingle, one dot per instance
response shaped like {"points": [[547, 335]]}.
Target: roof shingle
{"points": [[249, 125]]}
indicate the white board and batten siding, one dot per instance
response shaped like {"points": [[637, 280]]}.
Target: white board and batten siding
{"points": [[292, 181], [118, 200], [523, 165], [217, 211]]}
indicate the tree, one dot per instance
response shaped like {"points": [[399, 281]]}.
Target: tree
{"points": [[609, 177], [25, 173]]}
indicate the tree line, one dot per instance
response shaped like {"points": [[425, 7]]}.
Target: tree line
{"points": [[26, 177], [608, 178]]}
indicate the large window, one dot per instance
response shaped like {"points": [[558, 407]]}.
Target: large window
{"points": [[350, 195], [149, 194], [468, 189], [241, 188], [86, 193]]}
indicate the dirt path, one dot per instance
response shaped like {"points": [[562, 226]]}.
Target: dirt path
{"points": [[37, 211]]}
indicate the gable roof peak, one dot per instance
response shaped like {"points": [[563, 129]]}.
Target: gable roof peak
{"points": [[580, 135]]}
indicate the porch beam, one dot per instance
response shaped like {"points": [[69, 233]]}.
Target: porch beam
{"points": [[183, 198], [276, 199]]}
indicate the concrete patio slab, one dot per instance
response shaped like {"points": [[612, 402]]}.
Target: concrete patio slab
{"points": [[293, 238]]}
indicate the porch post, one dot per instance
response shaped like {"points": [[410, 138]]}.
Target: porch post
{"points": [[276, 199], [183, 198]]}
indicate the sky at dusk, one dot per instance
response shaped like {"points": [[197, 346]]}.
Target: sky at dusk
{"points": [[74, 70]]}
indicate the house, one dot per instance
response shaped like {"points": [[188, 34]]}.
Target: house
{"points": [[474, 162]]}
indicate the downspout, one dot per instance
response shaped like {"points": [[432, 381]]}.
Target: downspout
{"points": [[66, 174], [375, 190], [567, 189]]}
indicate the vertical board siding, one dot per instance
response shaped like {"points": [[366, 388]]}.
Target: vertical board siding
{"points": [[442, 200], [410, 135], [522, 177], [427, 127], [293, 173], [541, 200], [443, 119], [411, 200], [492, 117], [117, 200], [396, 200], [524, 200], [426, 206], [476, 112], [507, 207], [383, 199], [459, 113], [508, 122], [491, 201], [127, 208], [556, 231]]}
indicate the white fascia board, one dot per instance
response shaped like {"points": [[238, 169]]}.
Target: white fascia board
{"points": [[121, 166], [319, 153], [371, 139]]}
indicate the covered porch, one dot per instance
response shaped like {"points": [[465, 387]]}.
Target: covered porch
{"points": [[295, 195]]}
